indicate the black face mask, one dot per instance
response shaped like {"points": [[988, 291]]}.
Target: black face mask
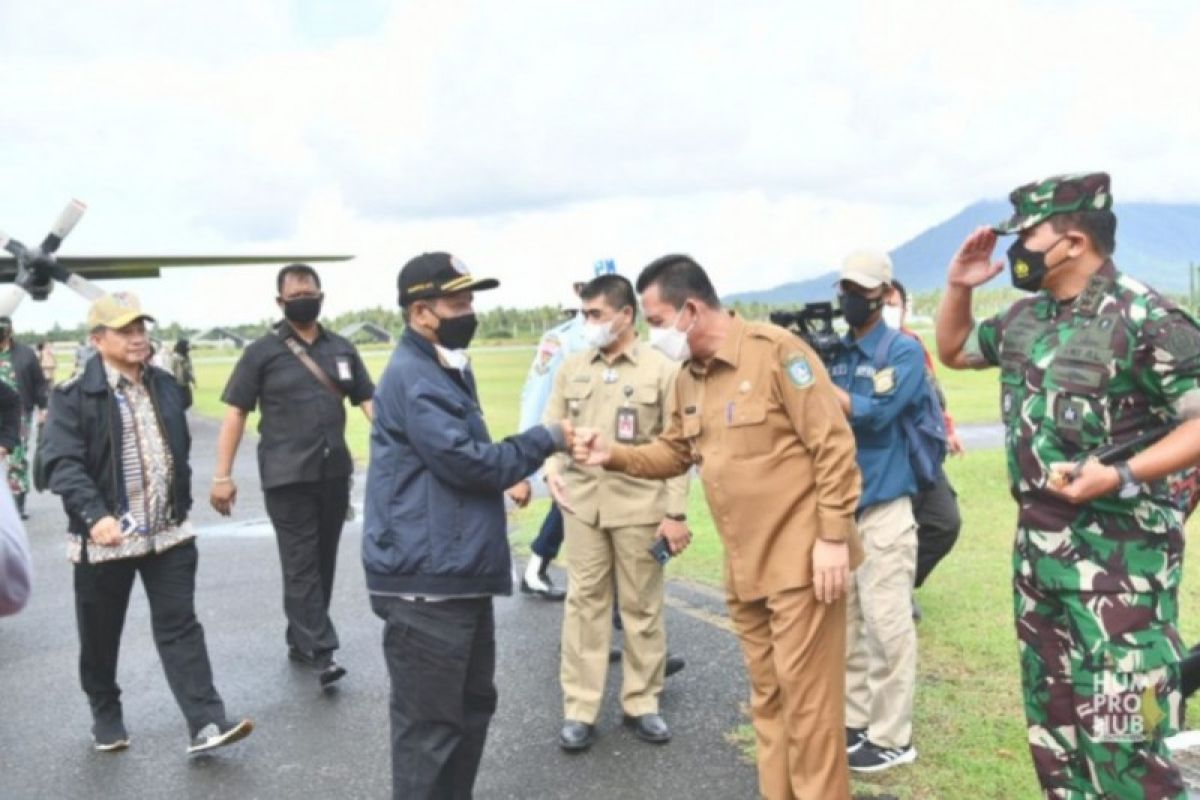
{"points": [[302, 310], [856, 309], [455, 333], [1027, 268]]}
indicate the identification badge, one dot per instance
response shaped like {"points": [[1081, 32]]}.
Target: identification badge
{"points": [[626, 425], [343, 367]]}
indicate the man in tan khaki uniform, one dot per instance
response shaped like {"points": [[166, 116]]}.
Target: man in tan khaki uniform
{"points": [[620, 386], [754, 408]]}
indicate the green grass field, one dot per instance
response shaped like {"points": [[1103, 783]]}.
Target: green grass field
{"points": [[969, 728]]}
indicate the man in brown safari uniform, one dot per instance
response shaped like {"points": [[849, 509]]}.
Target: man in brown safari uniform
{"points": [[755, 410]]}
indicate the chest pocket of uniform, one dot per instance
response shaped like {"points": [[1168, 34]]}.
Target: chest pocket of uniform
{"points": [[576, 395], [747, 432], [1012, 395], [1079, 401], [649, 411]]}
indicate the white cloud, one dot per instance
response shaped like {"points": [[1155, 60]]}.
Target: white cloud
{"points": [[767, 138]]}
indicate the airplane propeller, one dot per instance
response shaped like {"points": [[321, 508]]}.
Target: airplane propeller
{"points": [[37, 267]]}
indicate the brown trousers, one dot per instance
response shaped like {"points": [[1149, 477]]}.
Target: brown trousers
{"points": [[594, 556], [795, 652]]}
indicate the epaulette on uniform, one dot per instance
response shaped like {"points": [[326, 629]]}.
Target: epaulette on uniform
{"points": [[768, 331]]}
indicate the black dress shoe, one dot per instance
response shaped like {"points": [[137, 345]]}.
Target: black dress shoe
{"points": [[649, 728], [330, 674], [674, 664], [575, 737], [549, 592]]}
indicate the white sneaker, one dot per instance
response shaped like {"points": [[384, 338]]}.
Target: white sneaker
{"points": [[212, 736]]}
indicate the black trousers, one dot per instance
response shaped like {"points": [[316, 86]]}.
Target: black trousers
{"points": [[938, 523], [442, 661], [308, 519], [101, 600]]}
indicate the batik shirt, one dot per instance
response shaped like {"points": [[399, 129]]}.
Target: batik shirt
{"points": [[146, 466]]}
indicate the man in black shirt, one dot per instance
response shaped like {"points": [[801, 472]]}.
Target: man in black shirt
{"points": [[298, 375]]}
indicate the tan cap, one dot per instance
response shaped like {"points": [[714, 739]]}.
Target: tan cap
{"points": [[867, 268], [115, 310]]}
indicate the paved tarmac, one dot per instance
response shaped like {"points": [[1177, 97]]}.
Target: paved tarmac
{"points": [[335, 745]]}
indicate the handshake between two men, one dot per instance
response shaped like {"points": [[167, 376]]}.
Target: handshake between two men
{"points": [[588, 447]]}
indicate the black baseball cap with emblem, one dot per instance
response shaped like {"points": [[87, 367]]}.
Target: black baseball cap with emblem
{"points": [[432, 275]]}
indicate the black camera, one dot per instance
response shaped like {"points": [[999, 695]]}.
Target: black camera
{"points": [[813, 324]]}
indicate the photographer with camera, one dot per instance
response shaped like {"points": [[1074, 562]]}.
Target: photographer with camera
{"points": [[879, 377]]}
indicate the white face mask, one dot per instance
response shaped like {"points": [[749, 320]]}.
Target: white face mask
{"points": [[892, 316], [672, 342], [455, 359], [599, 334]]}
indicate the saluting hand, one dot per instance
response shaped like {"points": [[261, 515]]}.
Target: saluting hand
{"points": [[831, 570], [972, 265], [222, 496]]}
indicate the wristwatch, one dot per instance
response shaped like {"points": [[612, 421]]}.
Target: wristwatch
{"points": [[1129, 487]]}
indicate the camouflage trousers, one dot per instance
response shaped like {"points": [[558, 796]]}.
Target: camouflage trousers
{"points": [[18, 459], [1100, 677]]}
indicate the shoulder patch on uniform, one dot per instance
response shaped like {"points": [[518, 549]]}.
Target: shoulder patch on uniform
{"points": [[1180, 337], [798, 371]]}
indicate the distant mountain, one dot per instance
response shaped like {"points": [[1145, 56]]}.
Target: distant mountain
{"points": [[1155, 243]]}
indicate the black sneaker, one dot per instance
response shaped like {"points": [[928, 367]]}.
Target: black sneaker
{"points": [[109, 737], [330, 674], [870, 757], [855, 738], [212, 736], [675, 664]]}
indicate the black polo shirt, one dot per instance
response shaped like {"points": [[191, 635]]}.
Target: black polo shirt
{"points": [[302, 427]]}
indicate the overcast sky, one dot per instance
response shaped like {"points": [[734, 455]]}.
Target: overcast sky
{"points": [[532, 138]]}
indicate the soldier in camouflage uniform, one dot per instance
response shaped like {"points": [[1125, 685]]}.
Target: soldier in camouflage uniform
{"points": [[1092, 358]]}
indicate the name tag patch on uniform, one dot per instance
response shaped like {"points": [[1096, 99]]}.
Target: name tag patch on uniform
{"points": [[626, 425], [885, 381], [799, 372], [343, 368]]}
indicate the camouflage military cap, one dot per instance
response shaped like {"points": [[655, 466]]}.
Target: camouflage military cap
{"points": [[1062, 194]]}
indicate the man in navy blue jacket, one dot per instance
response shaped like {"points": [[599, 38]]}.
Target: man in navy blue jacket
{"points": [[435, 545]]}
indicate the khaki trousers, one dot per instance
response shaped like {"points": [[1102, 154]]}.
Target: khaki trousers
{"points": [[881, 639], [594, 555], [795, 649]]}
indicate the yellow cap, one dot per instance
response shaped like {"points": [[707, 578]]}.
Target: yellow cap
{"points": [[115, 310]]}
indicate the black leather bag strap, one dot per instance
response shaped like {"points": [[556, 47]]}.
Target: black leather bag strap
{"points": [[312, 366]]}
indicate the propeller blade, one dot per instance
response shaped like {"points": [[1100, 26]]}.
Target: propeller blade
{"points": [[11, 245], [67, 220]]}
